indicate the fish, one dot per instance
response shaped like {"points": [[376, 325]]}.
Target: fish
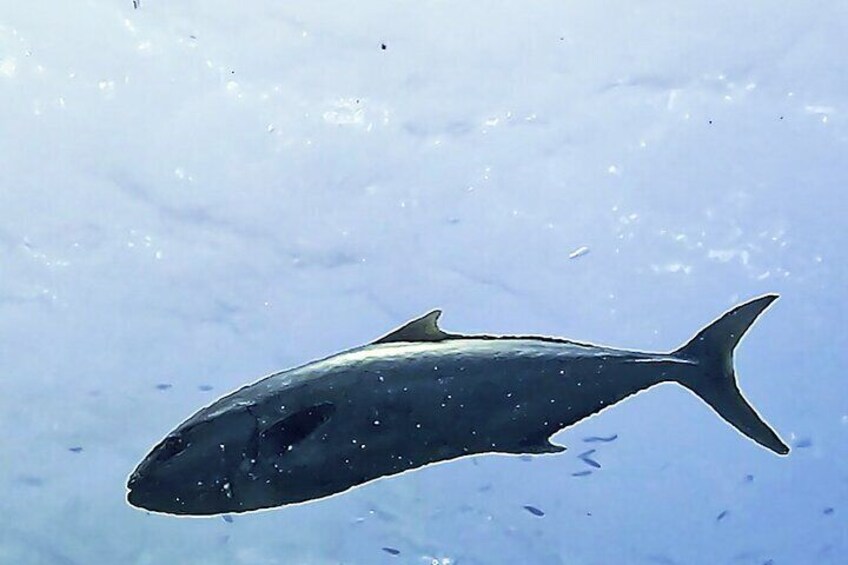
{"points": [[419, 396], [600, 439], [534, 511], [586, 457]]}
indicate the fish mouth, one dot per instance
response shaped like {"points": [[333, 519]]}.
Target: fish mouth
{"points": [[136, 491]]}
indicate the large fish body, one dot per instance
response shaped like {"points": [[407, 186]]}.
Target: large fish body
{"points": [[418, 396]]}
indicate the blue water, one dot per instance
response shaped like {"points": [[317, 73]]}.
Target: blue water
{"points": [[194, 194]]}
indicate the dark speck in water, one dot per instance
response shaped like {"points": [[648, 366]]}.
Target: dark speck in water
{"points": [[804, 443], [526, 458], [391, 551], [749, 478], [533, 510], [828, 511], [722, 515], [383, 46], [600, 439], [75, 449], [581, 474], [163, 386], [485, 488], [227, 518], [205, 388]]}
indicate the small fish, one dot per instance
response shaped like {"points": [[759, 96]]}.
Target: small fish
{"points": [[600, 439], [581, 474], [391, 551], [205, 388], [804, 443], [586, 458], [227, 518], [749, 478], [828, 511], [533, 510], [526, 458], [722, 515], [164, 386], [75, 449]]}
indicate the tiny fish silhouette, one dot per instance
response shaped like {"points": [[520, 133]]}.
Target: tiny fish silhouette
{"points": [[533, 510], [76, 449], [600, 439], [581, 474], [587, 459], [722, 515], [164, 386], [391, 551]]}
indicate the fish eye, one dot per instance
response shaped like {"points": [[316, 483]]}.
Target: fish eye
{"points": [[171, 447]]}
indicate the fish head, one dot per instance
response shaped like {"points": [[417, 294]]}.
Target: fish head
{"points": [[196, 469], [237, 456]]}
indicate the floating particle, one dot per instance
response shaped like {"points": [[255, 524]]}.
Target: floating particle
{"points": [[525, 458], [828, 511], [749, 478], [722, 515], [600, 439], [75, 449], [227, 518], [163, 386], [581, 474], [383, 46], [391, 551], [205, 388], [579, 252], [533, 510]]}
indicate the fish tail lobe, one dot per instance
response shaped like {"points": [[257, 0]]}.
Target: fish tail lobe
{"points": [[715, 382]]}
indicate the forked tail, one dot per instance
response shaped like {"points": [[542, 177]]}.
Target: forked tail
{"points": [[715, 382]]}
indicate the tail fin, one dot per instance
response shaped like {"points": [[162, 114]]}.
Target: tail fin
{"points": [[716, 383]]}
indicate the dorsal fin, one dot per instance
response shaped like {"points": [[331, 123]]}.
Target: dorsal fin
{"points": [[425, 328]]}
